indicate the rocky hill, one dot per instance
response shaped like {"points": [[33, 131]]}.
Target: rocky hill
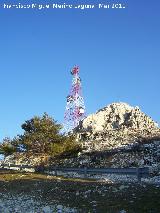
{"points": [[115, 126], [116, 136], [118, 116]]}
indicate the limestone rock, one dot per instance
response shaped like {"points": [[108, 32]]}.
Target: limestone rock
{"points": [[117, 116], [116, 125]]}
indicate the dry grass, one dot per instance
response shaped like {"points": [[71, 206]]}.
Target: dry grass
{"points": [[7, 175]]}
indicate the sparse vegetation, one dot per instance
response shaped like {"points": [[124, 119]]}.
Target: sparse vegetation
{"points": [[84, 195]]}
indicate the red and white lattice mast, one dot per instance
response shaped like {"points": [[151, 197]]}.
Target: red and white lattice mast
{"points": [[75, 108]]}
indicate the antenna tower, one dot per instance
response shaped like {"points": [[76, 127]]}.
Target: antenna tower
{"points": [[75, 108]]}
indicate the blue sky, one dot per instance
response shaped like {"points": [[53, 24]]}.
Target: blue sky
{"points": [[118, 52]]}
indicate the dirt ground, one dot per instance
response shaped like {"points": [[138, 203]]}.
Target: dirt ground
{"points": [[84, 195]]}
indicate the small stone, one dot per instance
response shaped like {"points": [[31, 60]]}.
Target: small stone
{"points": [[59, 207], [46, 209], [77, 193], [122, 211]]}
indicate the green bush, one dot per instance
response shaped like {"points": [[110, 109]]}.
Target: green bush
{"points": [[68, 147]]}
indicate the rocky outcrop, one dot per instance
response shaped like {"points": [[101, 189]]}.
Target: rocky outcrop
{"points": [[118, 135], [115, 126], [117, 116], [26, 159], [137, 155]]}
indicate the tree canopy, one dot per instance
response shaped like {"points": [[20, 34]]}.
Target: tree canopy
{"points": [[42, 135]]}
